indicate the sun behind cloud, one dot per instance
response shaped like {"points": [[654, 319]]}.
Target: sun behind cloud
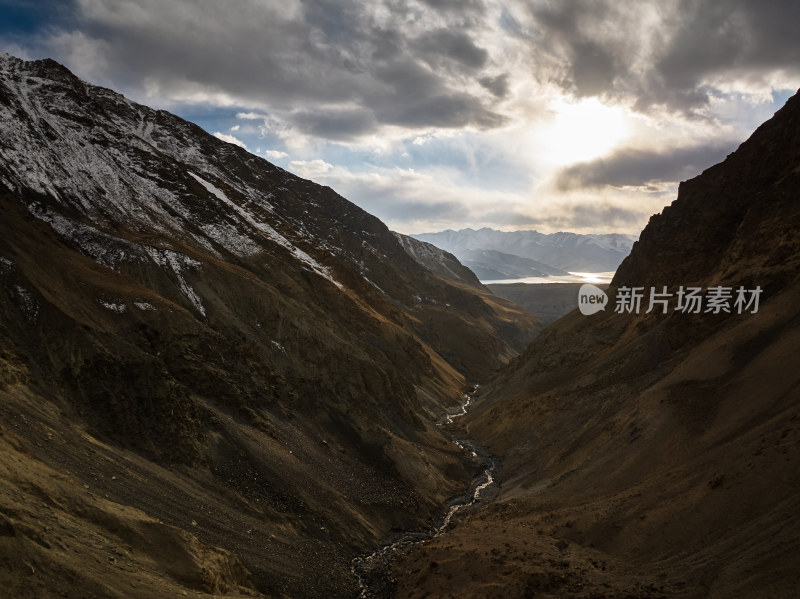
{"points": [[579, 131]]}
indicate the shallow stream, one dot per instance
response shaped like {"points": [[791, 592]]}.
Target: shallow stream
{"points": [[373, 570]]}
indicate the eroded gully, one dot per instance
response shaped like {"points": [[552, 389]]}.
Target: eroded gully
{"points": [[373, 570]]}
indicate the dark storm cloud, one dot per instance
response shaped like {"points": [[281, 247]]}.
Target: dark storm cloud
{"points": [[445, 110], [459, 6], [334, 124], [420, 98], [730, 36], [575, 44], [497, 85], [729, 39], [593, 68], [252, 50], [605, 48], [407, 77], [636, 167], [290, 58], [455, 46]]}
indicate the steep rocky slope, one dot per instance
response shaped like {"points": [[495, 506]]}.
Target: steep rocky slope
{"points": [[439, 262], [216, 377], [517, 332], [654, 454]]}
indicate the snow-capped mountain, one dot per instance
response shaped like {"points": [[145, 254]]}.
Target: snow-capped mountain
{"points": [[99, 162], [565, 251]]}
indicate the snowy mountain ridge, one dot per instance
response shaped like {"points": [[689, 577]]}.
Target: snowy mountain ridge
{"points": [[119, 159], [565, 251]]}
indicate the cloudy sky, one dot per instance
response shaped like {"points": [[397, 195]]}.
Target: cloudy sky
{"points": [[578, 115]]}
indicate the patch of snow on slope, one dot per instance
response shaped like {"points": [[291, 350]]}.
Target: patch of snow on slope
{"points": [[177, 263], [28, 305], [230, 238], [271, 233], [145, 306], [114, 307], [322, 271], [104, 249], [6, 265], [374, 285], [211, 188]]}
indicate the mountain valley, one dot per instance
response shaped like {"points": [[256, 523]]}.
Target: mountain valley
{"points": [[220, 379]]}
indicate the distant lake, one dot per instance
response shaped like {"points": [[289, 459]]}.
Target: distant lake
{"points": [[596, 278]]}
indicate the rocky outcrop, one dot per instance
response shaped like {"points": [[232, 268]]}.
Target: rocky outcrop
{"points": [[439, 262]]}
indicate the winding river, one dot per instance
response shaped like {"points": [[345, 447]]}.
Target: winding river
{"points": [[372, 570]]}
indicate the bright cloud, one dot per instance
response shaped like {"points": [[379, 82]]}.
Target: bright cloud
{"points": [[230, 139], [580, 130], [310, 168]]}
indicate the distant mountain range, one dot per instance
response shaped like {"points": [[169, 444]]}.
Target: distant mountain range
{"points": [[493, 265], [493, 254]]}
